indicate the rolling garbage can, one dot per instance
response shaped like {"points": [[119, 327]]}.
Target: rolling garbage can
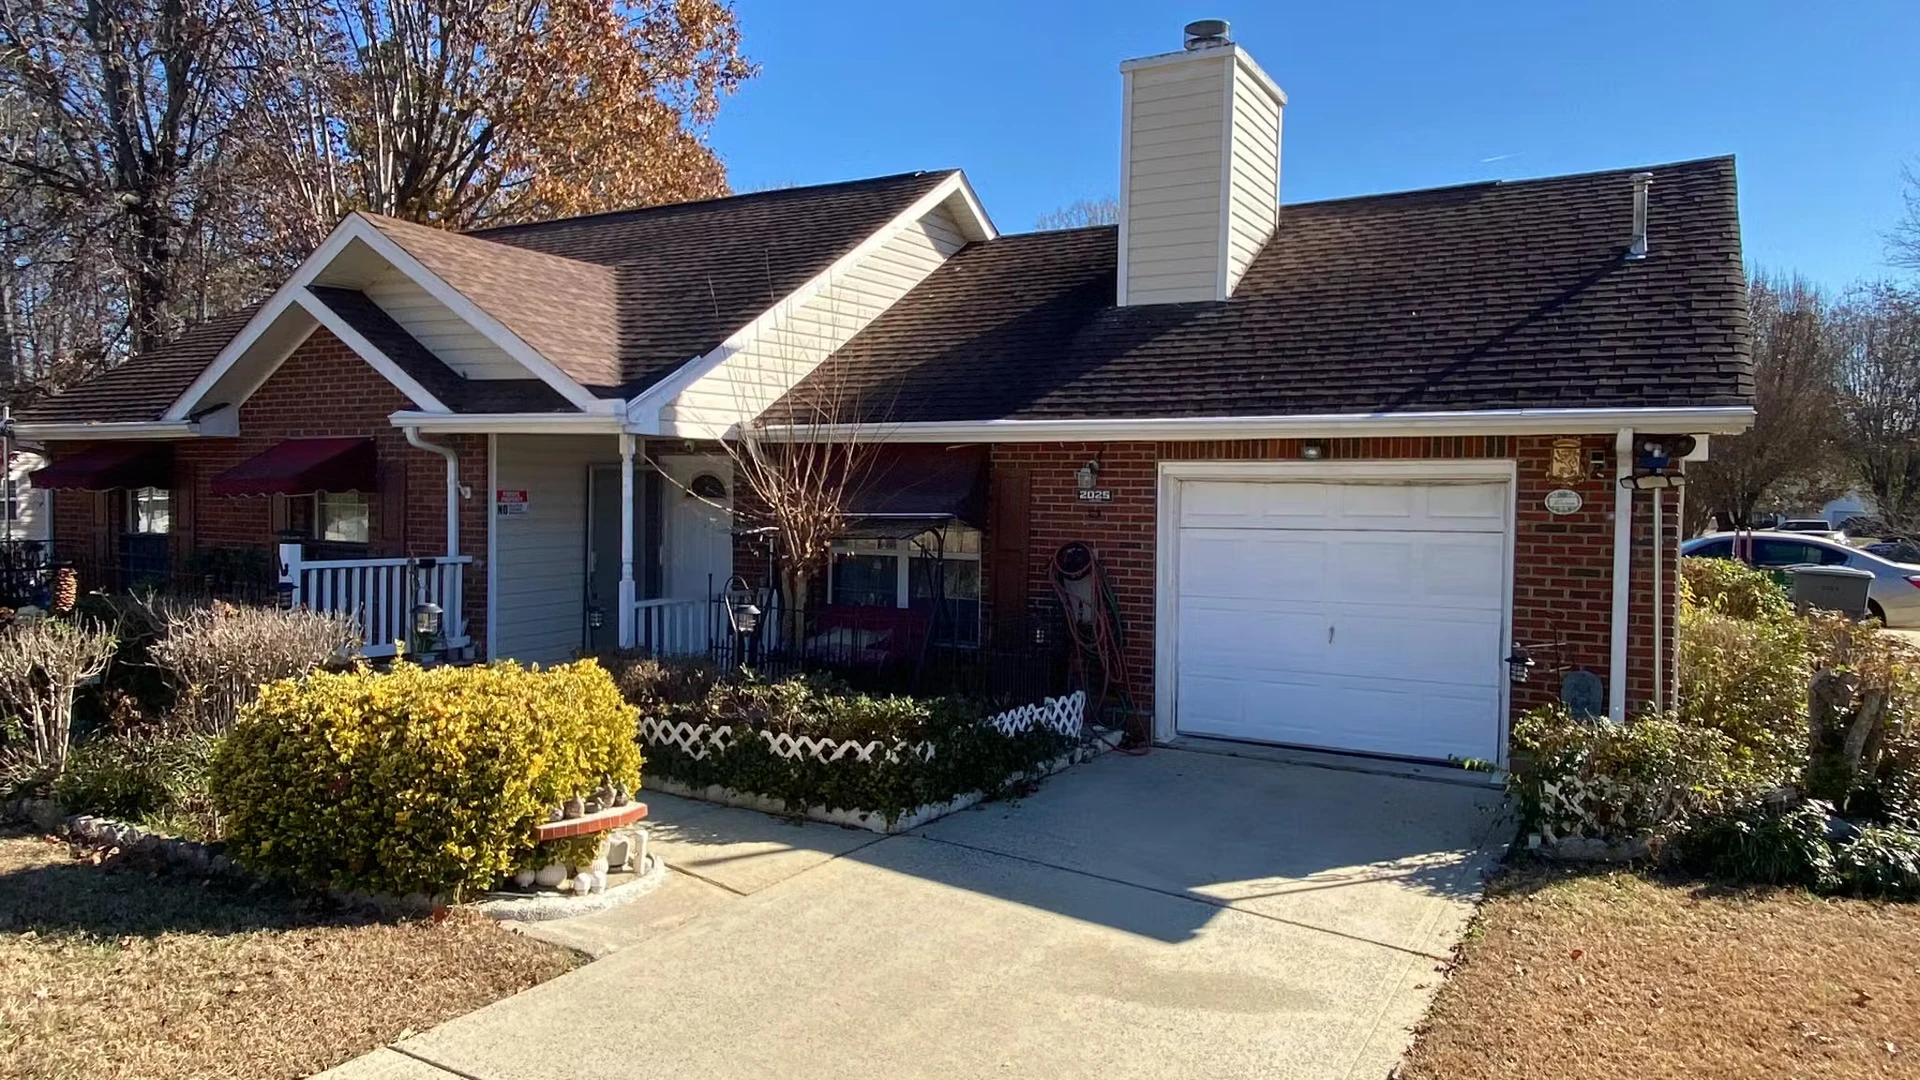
{"points": [[1831, 588]]}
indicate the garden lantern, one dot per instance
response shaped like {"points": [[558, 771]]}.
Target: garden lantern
{"points": [[1519, 663], [426, 628], [742, 613]]}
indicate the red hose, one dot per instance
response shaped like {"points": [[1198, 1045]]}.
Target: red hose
{"points": [[1101, 640]]}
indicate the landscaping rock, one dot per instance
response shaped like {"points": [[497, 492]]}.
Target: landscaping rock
{"points": [[1578, 849], [551, 875]]}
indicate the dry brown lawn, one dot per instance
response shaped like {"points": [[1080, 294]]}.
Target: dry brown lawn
{"points": [[115, 970], [1616, 975]]}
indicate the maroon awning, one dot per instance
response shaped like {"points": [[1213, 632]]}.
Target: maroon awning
{"points": [[109, 465], [922, 480], [300, 467]]}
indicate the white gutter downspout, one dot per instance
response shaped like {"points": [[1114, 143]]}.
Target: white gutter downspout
{"points": [[455, 492], [1622, 568]]}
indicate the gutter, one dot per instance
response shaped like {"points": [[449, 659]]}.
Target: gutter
{"points": [[1716, 420], [606, 423], [455, 492]]}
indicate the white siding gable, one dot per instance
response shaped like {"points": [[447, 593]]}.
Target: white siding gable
{"points": [[754, 376], [446, 335]]}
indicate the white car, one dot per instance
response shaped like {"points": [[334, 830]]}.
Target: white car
{"points": [[1893, 598]]}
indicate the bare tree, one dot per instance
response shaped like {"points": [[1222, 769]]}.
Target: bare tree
{"points": [[1081, 213], [1790, 452], [1903, 243], [121, 118], [1877, 328]]}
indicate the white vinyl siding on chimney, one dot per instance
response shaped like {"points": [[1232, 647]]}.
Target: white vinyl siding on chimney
{"points": [[1255, 177], [446, 335], [745, 383], [1200, 173], [1176, 120]]}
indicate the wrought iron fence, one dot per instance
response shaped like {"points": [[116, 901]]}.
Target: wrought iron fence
{"points": [[899, 650]]}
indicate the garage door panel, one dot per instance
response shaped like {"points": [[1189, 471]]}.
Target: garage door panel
{"points": [[1364, 617], [1345, 714], [1243, 562]]}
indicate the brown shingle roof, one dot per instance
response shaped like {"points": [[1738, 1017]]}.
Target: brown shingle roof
{"points": [[1487, 296], [142, 390], [688, 275]]}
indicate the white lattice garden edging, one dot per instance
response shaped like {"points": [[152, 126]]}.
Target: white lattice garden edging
{"points": [[1066, 715]]}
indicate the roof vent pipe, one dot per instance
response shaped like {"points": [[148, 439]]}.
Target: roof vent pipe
{"points": [[1638, 249], [1206, 33]]}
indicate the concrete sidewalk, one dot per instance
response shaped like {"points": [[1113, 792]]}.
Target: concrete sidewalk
{"points": [[1181, 914]]}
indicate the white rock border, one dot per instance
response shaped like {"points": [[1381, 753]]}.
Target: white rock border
{"points": [[545, 905]]}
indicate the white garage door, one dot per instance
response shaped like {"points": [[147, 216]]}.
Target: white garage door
{"points": [[1351, 616]]}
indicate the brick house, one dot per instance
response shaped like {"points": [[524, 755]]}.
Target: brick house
{"points": [[1336, 460]]}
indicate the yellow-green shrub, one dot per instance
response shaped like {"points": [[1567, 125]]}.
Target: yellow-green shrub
{"points": [[418, 779]]}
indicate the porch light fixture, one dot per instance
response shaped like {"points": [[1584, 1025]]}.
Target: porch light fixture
{"points": [[1519, 663], [1313, 450], [596, 618], [1088, 477], [426, 629]]}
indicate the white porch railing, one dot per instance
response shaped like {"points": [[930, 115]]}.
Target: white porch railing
{"points": [[671, 627], [379, 594]]}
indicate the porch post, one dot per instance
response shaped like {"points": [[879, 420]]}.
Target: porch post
{"points": [[1622, 575], [626, 541]]}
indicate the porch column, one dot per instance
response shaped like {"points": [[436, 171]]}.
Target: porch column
{"points": [[626, 541]]}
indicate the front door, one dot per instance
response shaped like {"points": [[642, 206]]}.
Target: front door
{"points": [[698, 557], [603, 549]]}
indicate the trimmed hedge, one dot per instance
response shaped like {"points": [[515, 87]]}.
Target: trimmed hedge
{"points": [[968, 754], [419, 779]]}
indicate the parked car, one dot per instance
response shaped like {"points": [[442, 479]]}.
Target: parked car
{"points": [[1893, 598], [1812, 526], [1899, 549]]}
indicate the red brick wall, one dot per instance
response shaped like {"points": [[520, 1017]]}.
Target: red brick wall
{"points": [[1563, 565], [323, 389]]}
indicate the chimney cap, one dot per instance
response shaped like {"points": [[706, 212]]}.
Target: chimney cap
{"points": [[1205, 33]]}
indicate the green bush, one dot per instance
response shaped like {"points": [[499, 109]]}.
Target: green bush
{"points": [[137, 776], [1881, 862], [1652, 776], [1767, 845], [418, 779], [931, 749], [1733, 589], [1747, 680]]}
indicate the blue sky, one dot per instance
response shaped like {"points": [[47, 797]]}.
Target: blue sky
{"points": [[1821, 102]]}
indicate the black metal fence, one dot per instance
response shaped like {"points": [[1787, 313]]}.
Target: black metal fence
{"points": [[900, 650], [199, 580]]}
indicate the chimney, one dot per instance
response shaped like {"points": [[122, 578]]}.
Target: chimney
{"points": [[1637, 249], [1199, 168]]}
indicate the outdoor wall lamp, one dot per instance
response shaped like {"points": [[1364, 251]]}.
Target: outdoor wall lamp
{"points": [[1088, 477], [426, 628], [1313, 450]]}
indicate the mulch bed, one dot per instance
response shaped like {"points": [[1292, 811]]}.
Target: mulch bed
{"points": [[1619, 975], [112, 968]]}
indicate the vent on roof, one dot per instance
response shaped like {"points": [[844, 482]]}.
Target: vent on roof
{"points": [[1206, 33], [1638, 248]]}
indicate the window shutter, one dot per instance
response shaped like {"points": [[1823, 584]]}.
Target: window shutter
{"points": [[390, 510], [1012, 527], [180, 513]]}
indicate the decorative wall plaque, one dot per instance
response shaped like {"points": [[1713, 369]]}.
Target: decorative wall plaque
{"points": [[1563, 501], [1566, 466]]}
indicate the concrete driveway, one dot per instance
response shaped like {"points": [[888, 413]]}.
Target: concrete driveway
{"points": [[1178, 914]]}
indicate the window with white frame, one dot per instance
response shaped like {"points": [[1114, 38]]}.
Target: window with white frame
{"points": [[913, 573], [149, 510], [340, 516]]}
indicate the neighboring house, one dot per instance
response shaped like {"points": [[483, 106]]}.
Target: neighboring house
{"points": [[1317, 441], [25, 510]]}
